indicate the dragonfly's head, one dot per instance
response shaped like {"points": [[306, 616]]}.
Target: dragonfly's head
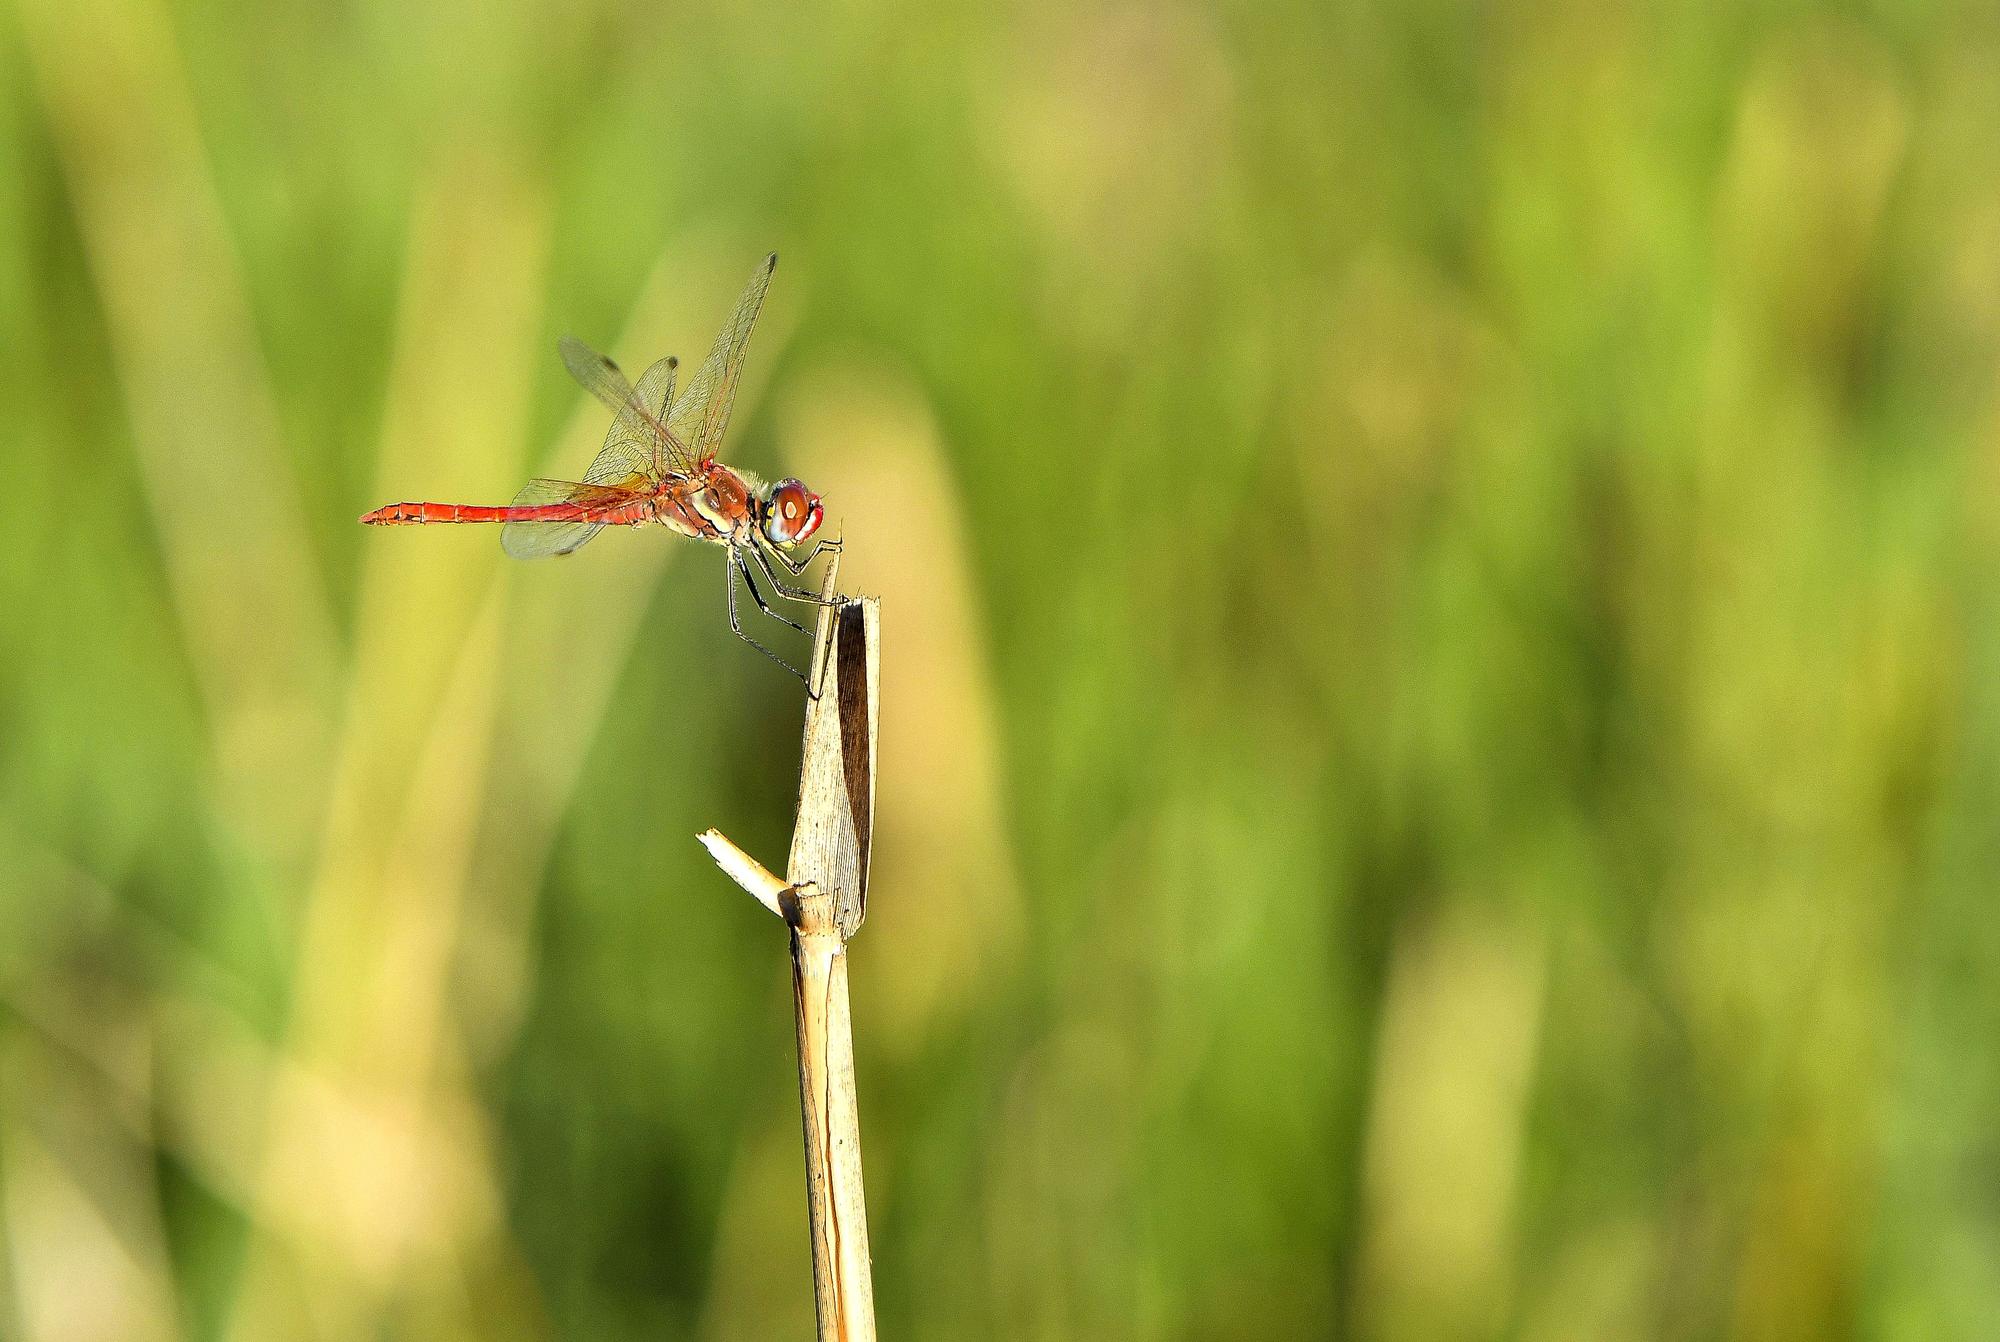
{"points": [[789, 513]]}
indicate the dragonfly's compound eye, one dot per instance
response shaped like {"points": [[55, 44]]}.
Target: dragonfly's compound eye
{"points": [[791, 513]]}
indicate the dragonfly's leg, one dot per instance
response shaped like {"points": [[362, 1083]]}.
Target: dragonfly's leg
{"points": [[798, 566], [785, 589], [750, 581], [736, 625]]}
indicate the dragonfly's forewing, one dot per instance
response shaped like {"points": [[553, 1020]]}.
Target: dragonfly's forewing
{"points": [[596, 373], [638, 437], [700, 415]]}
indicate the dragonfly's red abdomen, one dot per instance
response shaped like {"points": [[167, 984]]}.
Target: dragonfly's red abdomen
{"points": [[415, 514]]}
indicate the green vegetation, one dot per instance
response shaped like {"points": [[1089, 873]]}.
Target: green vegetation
{"points": [[1440, 751]]}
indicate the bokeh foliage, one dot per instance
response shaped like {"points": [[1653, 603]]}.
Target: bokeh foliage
{"points": [[1440, 760]]}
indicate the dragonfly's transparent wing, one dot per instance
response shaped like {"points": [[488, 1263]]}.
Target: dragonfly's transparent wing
{"points": [[539, 540], [596, 373], [638, 438], [700, 415]]}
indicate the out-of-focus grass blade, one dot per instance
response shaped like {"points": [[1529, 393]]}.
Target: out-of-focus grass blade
{"points": [[252, 605], [79, 1267], [1461, 1023], [374, 1159]]}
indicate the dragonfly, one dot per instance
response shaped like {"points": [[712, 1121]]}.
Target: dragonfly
{"points": [[658, 465]]}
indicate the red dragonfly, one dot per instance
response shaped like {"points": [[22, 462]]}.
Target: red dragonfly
{"points": [[658, 465]]}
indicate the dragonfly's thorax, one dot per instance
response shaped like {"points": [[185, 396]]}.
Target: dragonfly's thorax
{"points": [[717, 506]]}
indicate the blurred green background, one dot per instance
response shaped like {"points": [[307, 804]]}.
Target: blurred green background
{"points": [[1441, 761]]}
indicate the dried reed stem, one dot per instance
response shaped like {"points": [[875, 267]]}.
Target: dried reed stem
{"points": [[823, 901]]}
